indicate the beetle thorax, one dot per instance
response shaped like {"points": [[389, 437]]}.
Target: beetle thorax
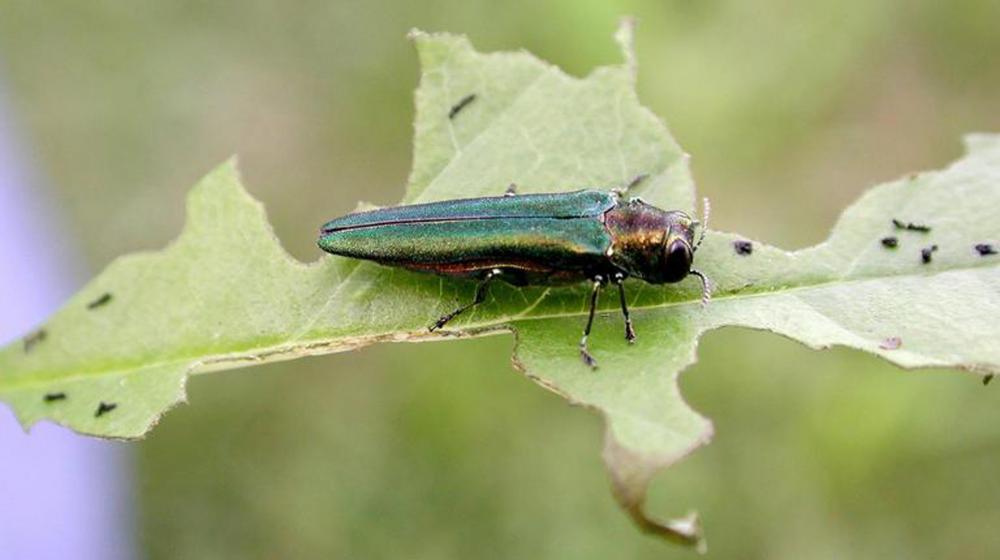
{"points": [[641, 235]]}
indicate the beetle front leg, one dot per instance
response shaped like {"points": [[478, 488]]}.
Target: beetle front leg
{"points": [[479, 298], [629, 331], [584, 351], [511, 190]]}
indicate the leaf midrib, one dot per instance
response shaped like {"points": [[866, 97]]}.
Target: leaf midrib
{"points": [[293, 347]]}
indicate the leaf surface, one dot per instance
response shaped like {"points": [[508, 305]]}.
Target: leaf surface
{"points": [[225, 294]]}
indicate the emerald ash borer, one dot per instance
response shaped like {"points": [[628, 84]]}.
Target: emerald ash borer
{"points": [[595, 236]]}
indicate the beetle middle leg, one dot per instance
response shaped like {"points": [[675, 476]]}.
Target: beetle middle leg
{"points": [[479, 298], [629, 331], [511, 190], [584, 351]]}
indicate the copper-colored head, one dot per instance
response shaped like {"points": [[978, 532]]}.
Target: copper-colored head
{"points": [[652, 244]]}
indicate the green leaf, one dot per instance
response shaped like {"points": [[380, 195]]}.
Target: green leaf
{"points": [[226, 295]]}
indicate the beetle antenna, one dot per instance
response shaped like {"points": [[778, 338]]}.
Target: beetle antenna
{"points": [[706, 289], [706, 210], [622, 191], [635, 181]]}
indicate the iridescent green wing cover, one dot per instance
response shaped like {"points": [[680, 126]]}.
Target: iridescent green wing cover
{"points": [[578, 204], [536, 232]]}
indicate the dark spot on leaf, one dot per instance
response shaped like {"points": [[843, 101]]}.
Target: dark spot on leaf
{"points": [[926, 252], [890, 242], [461, 105], [104, 408], [103, 300], [34, 338], [52, 397], [985, 249], [891, 343], [910, 226], [743, 247]]}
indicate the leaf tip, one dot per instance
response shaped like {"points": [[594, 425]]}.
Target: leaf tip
{"points": [[434, 48], [625, 37], [223, 176], [631, 474], [219, 193]]}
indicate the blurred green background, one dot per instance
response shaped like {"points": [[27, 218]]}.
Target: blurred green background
{"points": [[790, 110]]}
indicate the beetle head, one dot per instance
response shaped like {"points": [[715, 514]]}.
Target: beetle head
{"points": [[678, 247], [652, 244]]}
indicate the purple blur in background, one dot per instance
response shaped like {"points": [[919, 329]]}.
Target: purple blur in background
{"points": [[61, 495]]}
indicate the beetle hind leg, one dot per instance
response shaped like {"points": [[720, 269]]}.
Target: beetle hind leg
{"points": [[479, 298]]}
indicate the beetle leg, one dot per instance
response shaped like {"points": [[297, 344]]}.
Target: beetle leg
{"points": [[479, 298], [511, 190], [584, 352], [629, 331]]}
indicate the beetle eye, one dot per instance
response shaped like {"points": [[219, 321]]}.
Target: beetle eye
{"points": [[677, 264]]}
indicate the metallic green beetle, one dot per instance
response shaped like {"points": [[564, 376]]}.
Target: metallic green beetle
{"points": [[531, 239]]}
